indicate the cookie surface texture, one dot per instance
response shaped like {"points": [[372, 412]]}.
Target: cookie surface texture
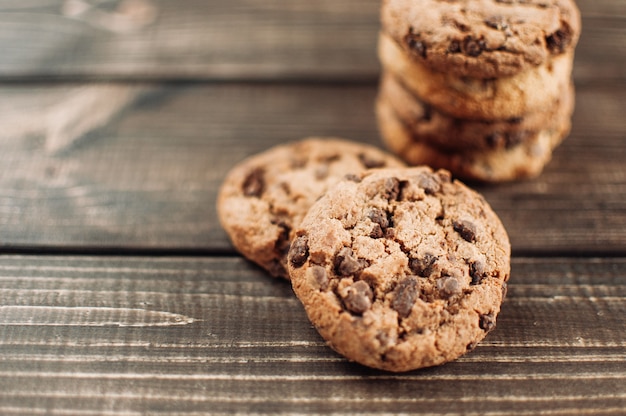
{"points": [[402, 268], [265, 196], [482, 38]]}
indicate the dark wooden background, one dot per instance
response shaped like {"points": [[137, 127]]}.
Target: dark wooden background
{"points": [[121, 295]]}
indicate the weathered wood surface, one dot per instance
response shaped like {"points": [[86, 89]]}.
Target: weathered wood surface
{"points": [[120, 118], [140, 335], [235, 39], [149, 178]]}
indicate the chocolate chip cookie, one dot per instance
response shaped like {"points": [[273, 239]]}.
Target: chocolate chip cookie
{"points": [[525, 160], [533, 90], [400, 269], [482, 38], [265, 196], [450, 134]]}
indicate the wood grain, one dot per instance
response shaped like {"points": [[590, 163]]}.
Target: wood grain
{"points": [[119, 121], [148, 179], [243, 344], [235, 40]]}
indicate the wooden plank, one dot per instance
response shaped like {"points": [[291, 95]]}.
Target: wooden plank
{"points": [[234, 40], [148, 179], [109, 342]]}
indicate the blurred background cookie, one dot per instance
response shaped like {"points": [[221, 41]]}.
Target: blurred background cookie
{"points": [[482, 88]]}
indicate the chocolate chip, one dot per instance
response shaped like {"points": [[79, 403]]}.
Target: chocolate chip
{"points": [[454, 47], [404, 296], [358, 297], [254, 184], [328, 159], [461, 26], [473, 47], [379, 217], [449, 286], [487, 322], [377, 232], [477, 272], [299, 252], [427, 113], [515, 138], [497, 22], [320, 276], [466, 229], [346, 263], [282, 242], [370, 162], [429, 183], [507, 140], [416, 45], [285, 187], [495, 140], [559, 40], [424, 265], [391, 189]]}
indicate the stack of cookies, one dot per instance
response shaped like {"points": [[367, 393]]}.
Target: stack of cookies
{"points": [[482, 88], [398, 268]]}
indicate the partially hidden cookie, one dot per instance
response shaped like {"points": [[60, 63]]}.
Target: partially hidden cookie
{"points": [[436, 128], [482, 38], [523, 161], [533, 90], [401, 268], [264, 197]]}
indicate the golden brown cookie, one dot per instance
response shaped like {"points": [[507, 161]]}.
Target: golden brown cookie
{"points": [[533, 90], [451, 134], [482, 38], [526, 160], [265, 196], [400, 269]]}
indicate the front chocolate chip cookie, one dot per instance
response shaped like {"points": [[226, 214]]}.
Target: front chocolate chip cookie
{"points": [[403, 269]]}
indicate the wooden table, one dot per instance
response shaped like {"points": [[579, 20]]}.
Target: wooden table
{"points": [[119, 292]]}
